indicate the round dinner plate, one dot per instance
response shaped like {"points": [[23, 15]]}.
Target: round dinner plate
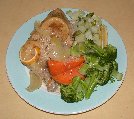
{"points": [[50, 102]]}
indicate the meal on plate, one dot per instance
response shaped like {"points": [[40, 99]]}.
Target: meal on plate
{"points": [[69, 54]]}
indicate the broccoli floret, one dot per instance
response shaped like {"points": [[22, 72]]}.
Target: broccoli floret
{"points": [[68, 94], [115, 65], [97, 76], [110, 53], [93, 48], [100, 67], [115, 72], [105, 74], [72, 92]]}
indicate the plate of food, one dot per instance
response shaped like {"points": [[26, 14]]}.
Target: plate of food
{"points": [[66, 61]]}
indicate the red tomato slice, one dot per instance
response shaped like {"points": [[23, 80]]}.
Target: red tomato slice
{"points": [[66, 77], [57, 67]]}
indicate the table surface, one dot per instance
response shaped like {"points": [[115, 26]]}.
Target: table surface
{"points": [[119, 13]]}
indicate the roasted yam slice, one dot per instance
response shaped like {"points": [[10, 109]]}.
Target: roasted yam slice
{"points": [[58, 24]]}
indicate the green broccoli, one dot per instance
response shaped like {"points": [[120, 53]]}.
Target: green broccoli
{"points": [[99, 68], [73, 92], [98, 77], [110, 53]]}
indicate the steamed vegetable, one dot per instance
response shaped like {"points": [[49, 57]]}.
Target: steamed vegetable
{"points": [[99, 68], [88, 27], [72, 92]]}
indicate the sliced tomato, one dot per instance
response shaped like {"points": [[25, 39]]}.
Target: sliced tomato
{"points": [[63, 72], [66, 77], [57, 67]]}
